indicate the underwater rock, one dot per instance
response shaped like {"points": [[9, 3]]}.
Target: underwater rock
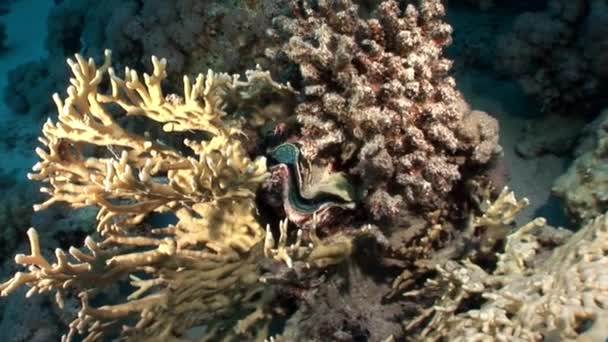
{"points": [[558, 55], [584, 186], [553, 134]]}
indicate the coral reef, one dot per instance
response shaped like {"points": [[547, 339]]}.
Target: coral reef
{"points": [[583, 187], [211, 197], [537, 291], [558, 55], [378, 101], [177, 223], [357, 202], [348, 308]]}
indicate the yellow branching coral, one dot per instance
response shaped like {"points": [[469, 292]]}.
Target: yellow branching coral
{"points": [[84, 118], [310, 249], [185, 274], [497, 220]]}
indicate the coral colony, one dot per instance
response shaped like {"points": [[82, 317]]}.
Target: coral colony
{"points": [[348, 193]]}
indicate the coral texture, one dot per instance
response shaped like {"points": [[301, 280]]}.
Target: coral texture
{"points": [[535, 292], [558, 55], [378, 101], [177, 222], [584, 186], [210, 195]]}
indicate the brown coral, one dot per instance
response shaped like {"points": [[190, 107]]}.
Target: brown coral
{"points": [[377, 95]]}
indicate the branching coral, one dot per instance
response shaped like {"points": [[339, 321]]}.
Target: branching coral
{"points": [[377, 96], [204, 269], [192, 35], [318, 252], [183, 274], [178, 226], [460, 280], [343, 305], [537, 291], [562, 297]]}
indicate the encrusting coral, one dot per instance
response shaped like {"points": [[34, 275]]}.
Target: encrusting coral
{"points": [[377, 100], [583, 186]]}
